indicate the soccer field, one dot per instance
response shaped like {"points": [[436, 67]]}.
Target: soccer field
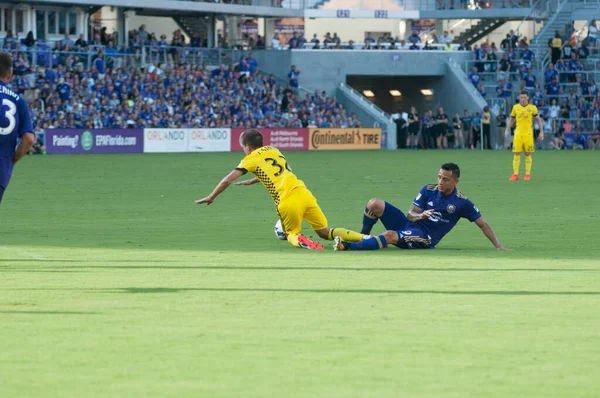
{"points": [[114, 283]]}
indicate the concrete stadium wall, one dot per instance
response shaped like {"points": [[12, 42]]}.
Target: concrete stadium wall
{"points": [[325, 70], [457, 92]]}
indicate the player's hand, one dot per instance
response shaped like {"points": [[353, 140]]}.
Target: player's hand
{"points": [[426, 214], [541, 136], [206, 200], [506, 134]]}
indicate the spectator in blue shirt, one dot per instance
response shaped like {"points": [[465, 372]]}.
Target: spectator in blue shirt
{"points": [[99, 63], [414, 38], [253, 63], [64, 89], [553, 88], [549, 73], [527, 55], [530, 81], [474, 77], [579, 142], [293, 77], [506, 89]]}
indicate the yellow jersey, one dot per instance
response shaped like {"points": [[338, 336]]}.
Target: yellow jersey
{"points": [[524, 118], [272, 170]]}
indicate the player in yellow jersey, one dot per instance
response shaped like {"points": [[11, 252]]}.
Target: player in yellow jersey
{"points": [[293, 200], [523, 114]]}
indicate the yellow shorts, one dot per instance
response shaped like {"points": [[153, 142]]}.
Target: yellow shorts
{"points": [[300, 205], [523, 143]]}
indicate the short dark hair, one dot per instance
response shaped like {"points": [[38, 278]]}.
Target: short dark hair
{"points": [[5, 64], [453, 167], [253, 138], [525, 92]]}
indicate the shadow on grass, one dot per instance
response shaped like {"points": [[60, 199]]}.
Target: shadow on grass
{"points": [[163, 290], [50, 312], [85, 268], [35, 260]]}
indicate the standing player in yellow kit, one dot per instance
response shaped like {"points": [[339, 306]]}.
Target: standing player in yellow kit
{"points": [[523, 114], [293, 200]]}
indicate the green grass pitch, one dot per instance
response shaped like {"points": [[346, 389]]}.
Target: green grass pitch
{"points": [[114, 284]]}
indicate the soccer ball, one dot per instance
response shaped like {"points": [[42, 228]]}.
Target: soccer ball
{"points": [[279, 233]]}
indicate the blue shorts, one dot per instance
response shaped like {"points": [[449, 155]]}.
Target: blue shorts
{"points": [[410, 235], [6, 166]]}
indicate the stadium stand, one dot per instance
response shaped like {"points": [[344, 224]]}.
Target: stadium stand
{"points": [[91, 85], [87, 83]]}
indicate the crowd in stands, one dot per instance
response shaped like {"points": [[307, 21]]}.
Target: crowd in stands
{"points": [[383, 42], [112, 93], [272, 3], [116, 90], [566, 93], [482, 4]]}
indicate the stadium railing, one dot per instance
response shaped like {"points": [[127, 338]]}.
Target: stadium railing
{"points": [[361, 46], [587, 125], [194, 56]]}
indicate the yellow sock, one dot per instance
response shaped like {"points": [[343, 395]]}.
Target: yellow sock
{"points": [[345, 234], [528, 161], [293, 239], [516, 163]]}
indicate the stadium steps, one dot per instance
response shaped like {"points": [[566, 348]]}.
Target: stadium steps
{"points": [[557, 21], [191, 25], [320, 3], [478, 31]]}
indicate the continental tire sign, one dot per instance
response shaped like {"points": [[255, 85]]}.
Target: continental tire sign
{"points": [[344, 139]]}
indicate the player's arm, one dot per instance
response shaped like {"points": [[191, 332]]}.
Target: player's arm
{"points": [[247, 182], [538, 119], [415, 214], [509, 125], [489, 233], [223, 185], [27, 142], [25, 132]]}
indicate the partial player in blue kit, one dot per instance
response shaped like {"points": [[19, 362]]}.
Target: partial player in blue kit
{"points": [[15, 124], [434, 212]]}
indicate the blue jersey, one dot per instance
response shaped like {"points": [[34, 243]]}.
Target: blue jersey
{"points": [[14, 122], [447, 211]]}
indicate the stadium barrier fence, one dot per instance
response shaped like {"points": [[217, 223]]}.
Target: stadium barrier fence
{"points": [[180, 140]]}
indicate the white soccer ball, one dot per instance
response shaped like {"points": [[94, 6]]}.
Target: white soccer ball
{"points": [[279, 233]]}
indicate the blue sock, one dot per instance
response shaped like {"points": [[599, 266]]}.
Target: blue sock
{"points": [[374, 243], [369, 219]]}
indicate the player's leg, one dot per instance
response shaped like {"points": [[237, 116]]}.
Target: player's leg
{"points": [[372, 243], [528, 163], [318, 222], [291, 211], [529, 144], [410, 238], [517, 149], [378, 209], [6, 165]]}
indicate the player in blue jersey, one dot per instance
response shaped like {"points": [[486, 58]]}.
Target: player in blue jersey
{"points": [[15, 123], [434, 212]]}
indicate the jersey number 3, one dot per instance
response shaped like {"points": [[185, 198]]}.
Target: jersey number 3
{"points": [[10, 115], [274, 163]]}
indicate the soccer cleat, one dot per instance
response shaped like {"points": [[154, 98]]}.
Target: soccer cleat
{"points": [[306, 243], [527, 177], [340, 244], [514, 177]]}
